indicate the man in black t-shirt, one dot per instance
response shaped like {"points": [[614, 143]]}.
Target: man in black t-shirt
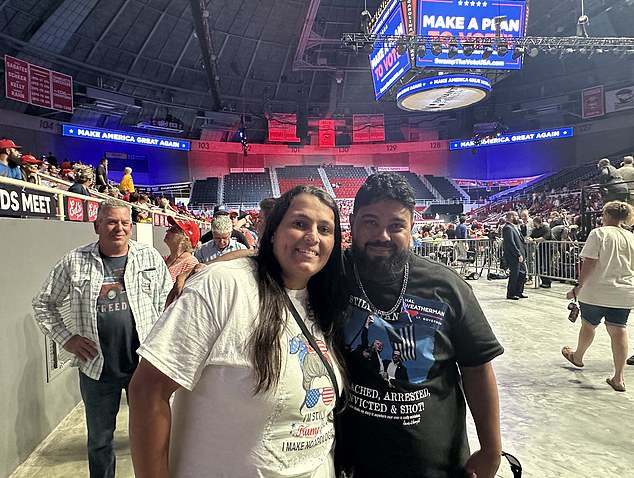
{"points": [[101, 181], [429, 321]]}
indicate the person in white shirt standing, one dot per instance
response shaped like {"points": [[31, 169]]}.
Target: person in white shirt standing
{"points": [[606, 288], [117, 290], [253, 397]]}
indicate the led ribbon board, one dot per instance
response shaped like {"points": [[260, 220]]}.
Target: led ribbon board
{"points": [[525, 137], [443, 93], [124, 137], [386, 64], [468, 20]]}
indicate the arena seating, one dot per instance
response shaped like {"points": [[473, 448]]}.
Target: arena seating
{"points": [[240, 188], [291, 176], [420, 190], [346, 180], [204, 191], [444, 187], [481, 194]]}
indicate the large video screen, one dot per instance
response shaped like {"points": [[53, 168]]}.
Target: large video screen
{"points": [[469, 20], [386, 64]]}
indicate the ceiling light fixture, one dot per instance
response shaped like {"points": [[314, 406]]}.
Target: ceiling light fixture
{"points": [[436, 46], [468, 48], [453, 48], [517, 52], [421, 51]]}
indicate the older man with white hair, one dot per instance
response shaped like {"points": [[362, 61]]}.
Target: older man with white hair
{"points": [[222, 242]]}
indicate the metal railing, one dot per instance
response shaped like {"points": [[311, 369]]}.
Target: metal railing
{"points": [[23, 199], [473, 258]]}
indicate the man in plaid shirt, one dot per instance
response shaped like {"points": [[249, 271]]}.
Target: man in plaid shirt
{"points": [[117, 290]]}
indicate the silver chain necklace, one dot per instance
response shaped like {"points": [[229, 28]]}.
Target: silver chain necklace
{"points": [[374, 308]]}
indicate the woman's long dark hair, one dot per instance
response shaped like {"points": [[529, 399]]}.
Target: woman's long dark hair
{"points": [[325, 292]]}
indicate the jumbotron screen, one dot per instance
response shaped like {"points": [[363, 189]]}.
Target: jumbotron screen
{"points": [[386, 64], [468, 21], [465, 20]]}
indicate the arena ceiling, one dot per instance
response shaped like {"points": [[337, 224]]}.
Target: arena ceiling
{"points": [[137, 59]]}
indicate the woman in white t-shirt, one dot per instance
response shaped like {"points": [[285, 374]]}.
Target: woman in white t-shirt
{"points": [[253, 398], [606, 288]]}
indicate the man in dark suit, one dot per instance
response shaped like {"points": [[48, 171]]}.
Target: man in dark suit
{"points": [[514, 251], [394, 369]]}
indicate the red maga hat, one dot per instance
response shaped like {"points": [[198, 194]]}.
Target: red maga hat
{"points": [[7, 143], [190, 228]]}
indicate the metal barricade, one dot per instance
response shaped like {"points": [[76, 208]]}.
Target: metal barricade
{"points": [[469, 257], [472, 258], [556, 260]]}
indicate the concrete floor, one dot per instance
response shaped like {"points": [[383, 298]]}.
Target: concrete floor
{"points": [[559, 421]]}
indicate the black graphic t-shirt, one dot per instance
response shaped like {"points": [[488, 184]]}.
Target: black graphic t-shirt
{"points": [[406, 411], [117, 332]]}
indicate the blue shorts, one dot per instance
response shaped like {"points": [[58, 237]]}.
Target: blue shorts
{"points": [[613, 316]]}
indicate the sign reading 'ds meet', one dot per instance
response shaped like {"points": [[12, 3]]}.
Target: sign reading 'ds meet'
{"points": [[124, 137], [470, 20], [386, 64], [524, 137], [17, 201]]}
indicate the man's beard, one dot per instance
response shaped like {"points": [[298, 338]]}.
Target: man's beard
{"points": [[382, 268]]}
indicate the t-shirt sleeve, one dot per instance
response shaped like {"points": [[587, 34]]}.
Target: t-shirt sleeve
{"points": [[473, 339], [591, 248], [181, 340]]}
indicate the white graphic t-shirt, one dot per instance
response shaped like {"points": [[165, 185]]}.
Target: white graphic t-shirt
{"points": [[219, 427]]}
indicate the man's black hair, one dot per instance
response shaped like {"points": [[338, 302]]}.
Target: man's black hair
{"points": [[385, 185]]}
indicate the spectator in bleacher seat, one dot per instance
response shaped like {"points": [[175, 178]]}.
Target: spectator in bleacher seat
{"points": [[539, 234], [526, 225], [627, 173], [10, 159], [461, 228], [514, 255], [102, 176], [30, 168], [117, 290], [83, 180], [222, 241], [127, 184], [266, 206], [181, 238], [451, 231], [221, 210], [605, 289], [612, 186], [238, 222]]}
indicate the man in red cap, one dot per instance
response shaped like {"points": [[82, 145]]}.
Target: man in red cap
{"points": [[10, 159]]}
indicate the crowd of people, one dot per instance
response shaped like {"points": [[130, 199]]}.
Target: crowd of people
{"points": [[283, 310]]}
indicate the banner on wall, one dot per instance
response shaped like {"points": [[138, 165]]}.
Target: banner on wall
{"points": [[515, 138], [38, 86], [17, 201], [160, 220], [592, 104], [80, 210], [619, 100]]}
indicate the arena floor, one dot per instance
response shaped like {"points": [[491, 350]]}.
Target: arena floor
{"points": [[559, 421]]}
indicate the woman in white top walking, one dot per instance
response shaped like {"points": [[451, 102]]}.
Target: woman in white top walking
{"points": [[606, 288]]}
